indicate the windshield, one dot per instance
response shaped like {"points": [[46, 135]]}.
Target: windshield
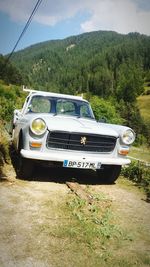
{"points": [[60, 106]]}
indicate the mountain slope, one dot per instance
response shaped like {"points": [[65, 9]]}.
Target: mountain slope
{"points": [[87, 62]]}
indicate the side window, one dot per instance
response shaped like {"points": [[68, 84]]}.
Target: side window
{"points": [[65, 107], [40, 105], [84, 111]]}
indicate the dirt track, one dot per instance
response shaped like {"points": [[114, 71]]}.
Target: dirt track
{"points": [[27, 206]]}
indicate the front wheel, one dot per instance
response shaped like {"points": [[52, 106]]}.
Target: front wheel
{"points": [[25, 168], [108, 174]]}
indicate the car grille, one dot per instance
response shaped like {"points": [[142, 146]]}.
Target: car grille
{"points": [[81, 141]]}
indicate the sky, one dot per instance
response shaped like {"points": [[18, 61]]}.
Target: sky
{"points": [[62, 18]]}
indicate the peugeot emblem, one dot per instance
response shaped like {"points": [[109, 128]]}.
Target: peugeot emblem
{"points": [[83, 140]]}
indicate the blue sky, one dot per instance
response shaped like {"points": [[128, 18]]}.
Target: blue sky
{"points": [[62, 18]]}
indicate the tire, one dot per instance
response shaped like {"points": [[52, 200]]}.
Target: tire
{"points": [[108, 174], [25, 166]]}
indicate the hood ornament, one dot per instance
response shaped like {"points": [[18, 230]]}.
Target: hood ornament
{"points": [[83, 140]]}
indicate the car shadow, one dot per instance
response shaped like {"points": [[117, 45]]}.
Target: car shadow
{"points": [[63, 175], [57, 174]]}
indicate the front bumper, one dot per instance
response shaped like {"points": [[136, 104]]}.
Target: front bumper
{"points": [[61, 156]]}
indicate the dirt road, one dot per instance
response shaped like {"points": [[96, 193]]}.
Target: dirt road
{"points": [[31, 210]]}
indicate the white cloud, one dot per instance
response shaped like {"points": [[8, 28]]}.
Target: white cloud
{"points": [[18, 10], [49, 13], [118, 15]]}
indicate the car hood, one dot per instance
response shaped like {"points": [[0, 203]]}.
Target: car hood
{"points": [[80, 125]]}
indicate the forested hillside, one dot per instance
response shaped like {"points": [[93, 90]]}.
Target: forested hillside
{"points": [[94, 62], [107, 64], [9, 73]]}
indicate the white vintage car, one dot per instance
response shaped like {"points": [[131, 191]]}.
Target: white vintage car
{"points": [[61, 130]]}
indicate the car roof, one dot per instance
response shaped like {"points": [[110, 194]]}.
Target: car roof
{"points": [[51, 94]]}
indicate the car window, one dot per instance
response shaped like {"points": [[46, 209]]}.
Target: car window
{"points": [[65, 107], [84, 111], [40, 105]]}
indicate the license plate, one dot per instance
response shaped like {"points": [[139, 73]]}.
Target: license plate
{"points": [[81, 164]]}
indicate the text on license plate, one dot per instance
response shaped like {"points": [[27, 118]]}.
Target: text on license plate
{"points": [[81, 164]]}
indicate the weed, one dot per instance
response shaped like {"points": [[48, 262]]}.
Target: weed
{"points": [[96, 220]]}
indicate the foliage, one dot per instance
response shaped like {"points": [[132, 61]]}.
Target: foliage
{"points": [[94, 62], [8, 72], [9, 96], [4, 150], [130, 82], [4, 146], [105, 109], [140, 173], [132, 117]]}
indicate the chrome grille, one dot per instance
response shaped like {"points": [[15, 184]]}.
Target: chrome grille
{"points": [[74, 141]]}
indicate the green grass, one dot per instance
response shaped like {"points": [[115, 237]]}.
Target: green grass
{"points": [[144, 106], [141, 153]]}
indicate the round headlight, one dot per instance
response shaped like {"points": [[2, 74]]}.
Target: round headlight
{"points": [[128, 137], [38, 126]]}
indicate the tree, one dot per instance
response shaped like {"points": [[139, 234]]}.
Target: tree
{"points": [[130, 82], [8, 72]]}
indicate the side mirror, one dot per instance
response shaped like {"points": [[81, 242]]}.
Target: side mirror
{"points": [[103, 120], [17, 113], [29, 109]]}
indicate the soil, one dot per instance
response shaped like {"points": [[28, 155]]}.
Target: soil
{"points": [[24, 205]]}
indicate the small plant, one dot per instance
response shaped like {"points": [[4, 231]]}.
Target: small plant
{"points": [[97, 222]]}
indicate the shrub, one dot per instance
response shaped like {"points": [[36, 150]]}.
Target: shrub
{"points": [[104, 109], [139, 172], [9, 96], [4, 146]]}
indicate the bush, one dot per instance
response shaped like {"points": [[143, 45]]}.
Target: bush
{"points": [[138, 172], [9, 96], [4, 146], [105, 109]]}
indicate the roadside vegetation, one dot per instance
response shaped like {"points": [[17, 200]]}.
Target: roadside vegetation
{"points": [[10, 97], [139, 169], [139, 173], [4, 148]]}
